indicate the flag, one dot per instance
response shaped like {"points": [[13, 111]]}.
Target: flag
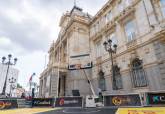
{"points": [[31, 77]]}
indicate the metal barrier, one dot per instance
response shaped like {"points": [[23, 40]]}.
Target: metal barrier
{"points": [[123, 100], [69, 102], [23, 103]]}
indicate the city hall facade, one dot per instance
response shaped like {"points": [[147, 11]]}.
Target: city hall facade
{"points": [[78, 55]]}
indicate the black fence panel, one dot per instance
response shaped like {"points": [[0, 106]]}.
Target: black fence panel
{"points": [[8, 103], [69, 102], [38, 102], [155, 98], [122, 100]]}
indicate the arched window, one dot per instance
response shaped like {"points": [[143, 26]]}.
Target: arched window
{"points": [[102, 81], [117, 81], [162, 4], [138, 74]]}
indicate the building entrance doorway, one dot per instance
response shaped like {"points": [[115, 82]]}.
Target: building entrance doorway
{"points": [[62, 85]]}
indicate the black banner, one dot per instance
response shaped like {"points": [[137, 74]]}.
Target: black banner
{"points": [[156, 98], [42, 102], [68, 102], [8, 103], [122, 100]]}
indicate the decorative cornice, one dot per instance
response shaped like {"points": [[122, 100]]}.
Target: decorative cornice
{"points": [[156, 37]]}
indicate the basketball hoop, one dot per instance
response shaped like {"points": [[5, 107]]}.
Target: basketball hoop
{"points": [[78, 66]]}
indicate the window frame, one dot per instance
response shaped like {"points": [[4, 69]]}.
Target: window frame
{"points": [[101, 81], [162, 8], [113, 36], [117, 75], [134, 34], [136, 76], [98, 49]]}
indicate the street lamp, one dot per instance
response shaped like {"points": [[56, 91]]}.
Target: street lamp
{"points": [[8, 63], [11, 81], [111, 49]]}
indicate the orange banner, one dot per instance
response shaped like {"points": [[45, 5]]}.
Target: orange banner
{"points": [[151, 110]]}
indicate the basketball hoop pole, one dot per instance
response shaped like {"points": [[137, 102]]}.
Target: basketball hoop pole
{"points": [[89, 81]]}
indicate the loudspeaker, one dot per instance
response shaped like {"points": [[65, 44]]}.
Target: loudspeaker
{"points": [[75, 93]]}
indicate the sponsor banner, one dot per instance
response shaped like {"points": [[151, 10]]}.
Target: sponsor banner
{"points": [[156, 98], [122, 100], [68, 102], [42, 102], [153, 110], [22, 103], [8, 103]]}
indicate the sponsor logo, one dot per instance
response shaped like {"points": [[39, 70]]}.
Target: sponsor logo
{"points": [[4, 104], [63, 102], [158, 98], [118, 100], [141, 112], [42, 102]]}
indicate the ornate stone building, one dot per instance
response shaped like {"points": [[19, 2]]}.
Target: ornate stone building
{"points": [[138, 29]]}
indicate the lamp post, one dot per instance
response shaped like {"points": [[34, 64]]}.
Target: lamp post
{"points": [[111, 49], [8, 63], [12, 81]]}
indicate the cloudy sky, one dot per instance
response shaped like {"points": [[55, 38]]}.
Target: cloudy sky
{"points": [[28, 27]]}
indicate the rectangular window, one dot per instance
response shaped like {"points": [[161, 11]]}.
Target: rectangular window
{"points": [[105, 18], [120, 7], [162, 4], [128, 3], [112, 36], [102, 22], [94, 29], [130, 30], [109, 16], [98, 49], [97, 26]]}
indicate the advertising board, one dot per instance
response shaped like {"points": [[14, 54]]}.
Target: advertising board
{"points": [[42, 102], [68, 102], [8, 103], [156, 98], [122, 100]]}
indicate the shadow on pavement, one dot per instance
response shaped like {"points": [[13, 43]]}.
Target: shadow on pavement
{"points": [[82, 111]]}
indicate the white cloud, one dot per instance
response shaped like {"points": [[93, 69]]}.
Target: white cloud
{"points": [[27, 28], [4, 41]]}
